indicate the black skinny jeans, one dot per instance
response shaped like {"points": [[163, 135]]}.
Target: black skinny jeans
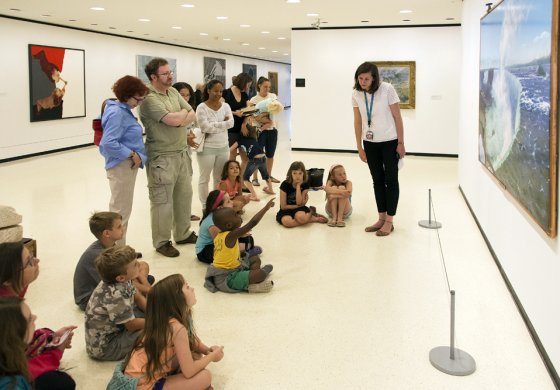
{"points": [[382, 162]]}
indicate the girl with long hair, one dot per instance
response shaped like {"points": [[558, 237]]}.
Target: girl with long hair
{"points": [[168, 354]]}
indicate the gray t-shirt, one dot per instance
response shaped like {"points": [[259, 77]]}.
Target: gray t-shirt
{"points": [[161, 138], [86, 277], [111, 305]]}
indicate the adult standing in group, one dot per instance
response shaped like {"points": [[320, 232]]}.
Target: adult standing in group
{"points": [[269, 134], [214, 119], [378, 128], [122, 145], [186, 91], [236, 97], [166, 115]]}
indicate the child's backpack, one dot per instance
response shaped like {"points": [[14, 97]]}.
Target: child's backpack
{"points": [[315, 177]]}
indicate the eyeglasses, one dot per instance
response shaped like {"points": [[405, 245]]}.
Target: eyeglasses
{"points": [[138, 99], [166, 74], [31, 261]]}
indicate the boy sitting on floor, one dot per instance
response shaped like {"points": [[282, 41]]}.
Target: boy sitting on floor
{"points": [[228, 272], [112, 323], [106, 226]]}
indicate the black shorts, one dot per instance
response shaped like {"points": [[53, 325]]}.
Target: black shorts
{"points": [[233, 138], [291, 212]]}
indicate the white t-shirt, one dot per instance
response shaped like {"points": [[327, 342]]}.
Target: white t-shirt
{"points": [[382, 121], [258, 98]]}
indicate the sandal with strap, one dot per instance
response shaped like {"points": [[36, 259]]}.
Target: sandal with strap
{"points": [[373, 228], [341, 224], [331, 223], [268, 191]]}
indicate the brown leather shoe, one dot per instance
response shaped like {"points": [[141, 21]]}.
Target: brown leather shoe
{"points": [[189, 240], [168, 250]]}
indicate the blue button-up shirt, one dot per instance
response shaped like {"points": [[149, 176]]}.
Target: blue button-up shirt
{"points": [[122, 134]]}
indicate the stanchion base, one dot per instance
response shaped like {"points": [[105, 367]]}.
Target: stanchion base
{"points": [[462, 365], [429, 224]]}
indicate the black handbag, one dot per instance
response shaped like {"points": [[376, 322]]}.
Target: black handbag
{"points": [[315, 177]]}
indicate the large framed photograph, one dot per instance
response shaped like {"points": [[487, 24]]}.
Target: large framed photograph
{"points": [[56, 83], [518, 103], [251, 70], [215, 68], [402, 75], [142, 61]]}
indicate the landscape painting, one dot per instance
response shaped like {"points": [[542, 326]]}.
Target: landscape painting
{"points": [[518, 92], [56, 83], [402, 75]]}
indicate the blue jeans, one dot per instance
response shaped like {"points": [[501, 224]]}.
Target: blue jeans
{"points": [[254, 164]]}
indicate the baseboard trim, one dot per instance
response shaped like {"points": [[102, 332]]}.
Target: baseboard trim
{"points": [[536, 340], [355, 151], [44, 153]]}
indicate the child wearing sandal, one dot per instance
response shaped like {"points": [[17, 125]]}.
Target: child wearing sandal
{"points": [[339, 196], [204, 247], [257, 160], [293, 197], [229, 272], [168, 354], [231, 183]]}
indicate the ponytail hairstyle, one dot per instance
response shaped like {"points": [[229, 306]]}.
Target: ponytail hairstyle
{"points": [[165, 301]]}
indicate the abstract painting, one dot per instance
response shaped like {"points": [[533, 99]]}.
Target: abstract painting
{"points": [[56, 83], [402, 76], [215, 68], [518, 93], [142, 61], [273, 77], [251, 70]]}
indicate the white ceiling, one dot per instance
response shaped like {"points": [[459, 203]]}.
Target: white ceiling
{"points": [[277, 17]]}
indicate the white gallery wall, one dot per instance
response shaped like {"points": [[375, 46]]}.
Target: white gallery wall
{"points": [[107, 58], [322, 116], [528, 256]]}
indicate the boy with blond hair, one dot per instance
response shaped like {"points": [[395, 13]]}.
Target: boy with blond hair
{"points": [[112, 322], [107, 227]]}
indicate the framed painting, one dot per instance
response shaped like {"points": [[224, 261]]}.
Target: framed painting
{"points": [[251, 70], [273, 77], [402, 75], [57, 87], [215, 68], [142, 61], [518, 104]]}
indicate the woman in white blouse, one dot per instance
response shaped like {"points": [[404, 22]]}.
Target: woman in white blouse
{"points": [[378, 128], [214, 119]]}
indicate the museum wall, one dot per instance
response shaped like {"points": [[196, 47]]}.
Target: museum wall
{"points": [[322, 116], [106, 59], [529, 257]]}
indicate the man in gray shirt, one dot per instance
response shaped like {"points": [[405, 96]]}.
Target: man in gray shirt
{"points": [[165, 115]]}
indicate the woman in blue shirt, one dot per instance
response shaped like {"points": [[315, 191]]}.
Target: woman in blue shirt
{"points": [[122, 145]]}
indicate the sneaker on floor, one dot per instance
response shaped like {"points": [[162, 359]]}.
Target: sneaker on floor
{"points": [[255, 182], [274, 180], [262, 287], [189, 240], [168, 250]]}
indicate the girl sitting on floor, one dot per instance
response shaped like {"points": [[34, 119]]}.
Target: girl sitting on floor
{"points": [[339, 195], [293, 197], [231, 183]]}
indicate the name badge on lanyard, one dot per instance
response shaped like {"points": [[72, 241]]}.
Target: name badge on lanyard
{"points": [[369, 110]]}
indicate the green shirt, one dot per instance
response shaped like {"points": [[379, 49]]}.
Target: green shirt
{"points": [[162, 138]]}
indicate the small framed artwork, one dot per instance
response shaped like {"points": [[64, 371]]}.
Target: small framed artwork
{"points": [[251, 70], [142, 61], [56, 83], [273, 77], [215, 68], [402, 75]]}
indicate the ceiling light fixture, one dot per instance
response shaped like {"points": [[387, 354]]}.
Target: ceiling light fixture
{"points": [[187, 5], [97, 9], [265, 32], [262, 48], [227, 39], [204, 34], [244, 25], [143, 20], [364, 21], [15, 9], [281, 38], [177, 28], [312, 14], [292, 1], [449, 18], [405, 11], [221, 17], [275, 51], [244, 44], [406, 20]]}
